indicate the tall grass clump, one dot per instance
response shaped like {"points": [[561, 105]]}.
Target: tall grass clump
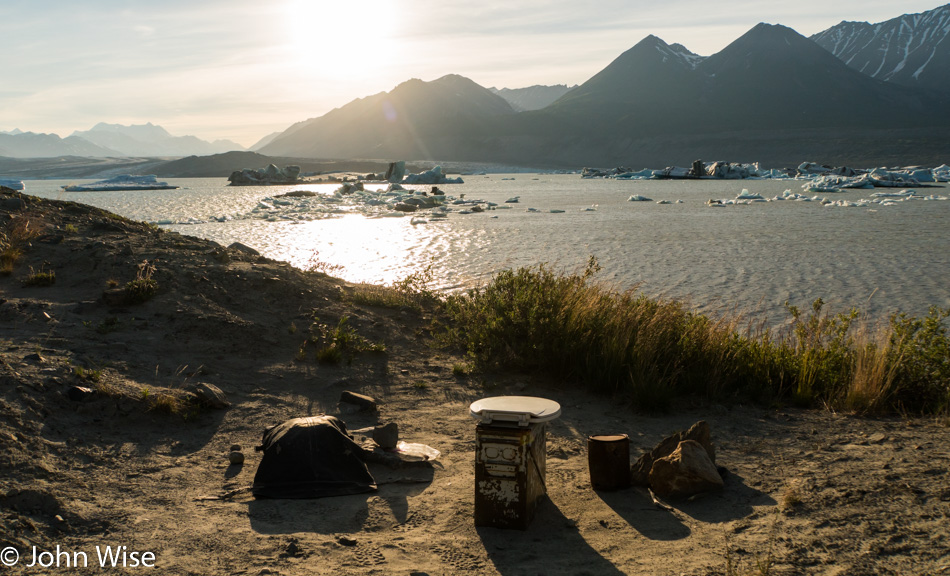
{"points": [[411, 293], [824, 349], [615, 342], [15, 236], [653, 350], [143, 287]]}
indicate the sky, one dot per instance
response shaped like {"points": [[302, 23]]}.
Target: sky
{"points": [[242, 69]]}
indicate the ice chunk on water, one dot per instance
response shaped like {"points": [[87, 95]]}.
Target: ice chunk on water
{"points": [[11, 184]]}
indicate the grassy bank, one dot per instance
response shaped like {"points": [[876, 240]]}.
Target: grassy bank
{"points": [[652, 351]]}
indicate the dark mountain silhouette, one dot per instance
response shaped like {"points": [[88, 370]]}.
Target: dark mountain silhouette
{"points": [[416, 120], [912, 50], [771, 77], [771, 96], [774, 77]]}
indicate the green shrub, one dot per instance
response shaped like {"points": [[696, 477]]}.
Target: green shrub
{"points": [[40, 278], [337, 344], [15, 237], [144, 286], [652, 351], [920, 350]]}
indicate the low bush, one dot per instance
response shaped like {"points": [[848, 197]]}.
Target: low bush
{"points": [[143, 287], [654, 350]]}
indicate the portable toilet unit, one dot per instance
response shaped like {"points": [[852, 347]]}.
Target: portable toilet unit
{"points": [[510, 458]]}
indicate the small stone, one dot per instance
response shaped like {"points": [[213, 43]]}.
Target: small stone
{"points": [[361, 400], [80, 393], [115, 297], [243, 248], [386, 436], [235, 447], [346, 541], [211, 396], [877, 438], [35, 357], [236, 458], [293, 549]]}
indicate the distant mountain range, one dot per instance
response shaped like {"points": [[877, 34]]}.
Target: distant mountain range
{"points": [[32, 145], [912, 50], [856, 93], [110, 140], [151, 140], [772, 96]]}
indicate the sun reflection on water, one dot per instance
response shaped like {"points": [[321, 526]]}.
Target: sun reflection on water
{"points": [[376, 250]]}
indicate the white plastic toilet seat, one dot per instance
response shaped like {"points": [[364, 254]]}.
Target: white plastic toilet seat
{"points": [[521, 409]]}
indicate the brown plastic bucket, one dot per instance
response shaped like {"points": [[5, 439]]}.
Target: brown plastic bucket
{"points": [[608, 459]]}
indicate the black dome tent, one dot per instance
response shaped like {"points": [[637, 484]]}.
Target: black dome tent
{"points": [[310, 457]]}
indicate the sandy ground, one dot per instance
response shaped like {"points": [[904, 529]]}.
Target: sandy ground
{"points": [[811, 492]]}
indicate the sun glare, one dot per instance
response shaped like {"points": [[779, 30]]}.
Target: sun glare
{"points": [[342, 39]]}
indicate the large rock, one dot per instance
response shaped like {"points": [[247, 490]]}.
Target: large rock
{"points": [[211, 396], [685, 472], [243, 248], [699, 432], [364, 402]]}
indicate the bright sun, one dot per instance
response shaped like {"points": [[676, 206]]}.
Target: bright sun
{"points": [[342, 39]]}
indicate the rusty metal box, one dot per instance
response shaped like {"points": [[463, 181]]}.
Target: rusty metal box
{"points": [[509, 474]]}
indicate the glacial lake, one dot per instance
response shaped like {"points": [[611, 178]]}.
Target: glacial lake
{"points": [[881, 257]]}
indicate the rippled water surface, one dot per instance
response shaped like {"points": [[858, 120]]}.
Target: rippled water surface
{"points": [[754, 257]]}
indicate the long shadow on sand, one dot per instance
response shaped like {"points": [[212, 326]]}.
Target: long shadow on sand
{"points": [[734, 502], [551, 537], [637, 509], [382, 509]]}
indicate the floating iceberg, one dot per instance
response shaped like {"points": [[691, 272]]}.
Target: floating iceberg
{"points": [[746, 195], [641, 175], [639, 198], [906, 194], [885, 179], [270, 176], [120, 183], [434, 176], [11, 184], [396, 171], [674, 172]]}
